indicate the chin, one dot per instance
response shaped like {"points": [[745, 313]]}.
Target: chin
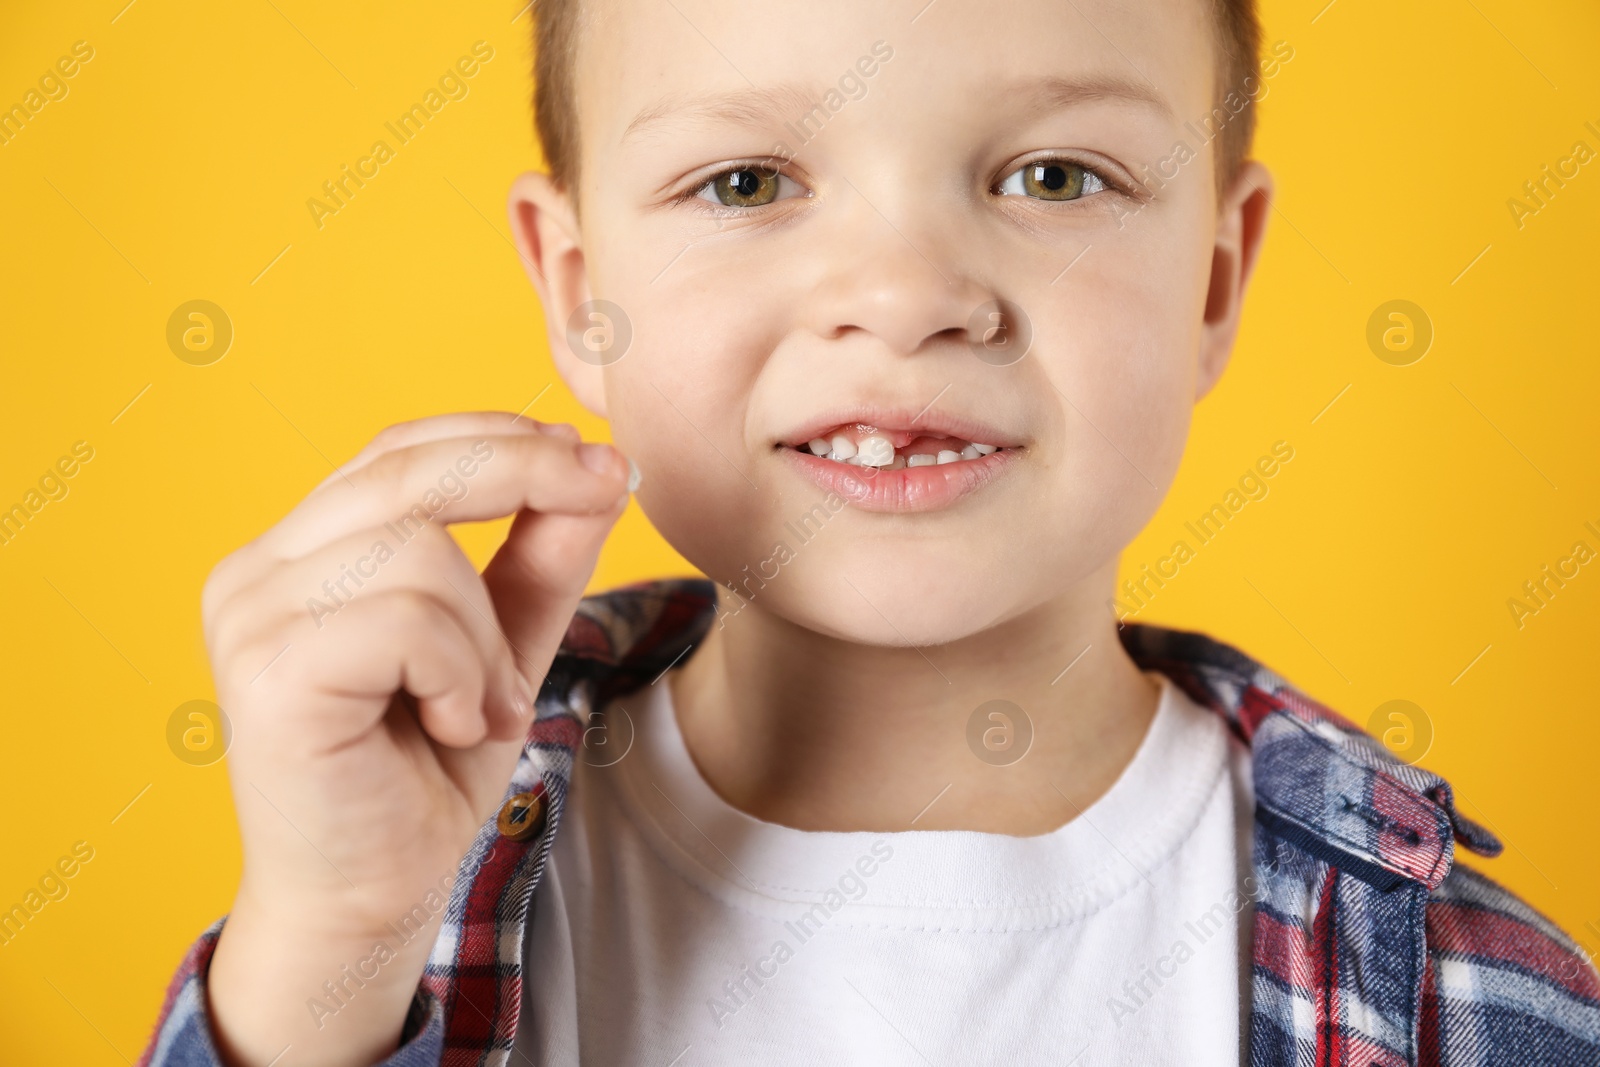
{"points": [[893, 607]]}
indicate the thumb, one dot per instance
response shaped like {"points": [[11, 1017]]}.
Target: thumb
{"points": [[538, 576]]}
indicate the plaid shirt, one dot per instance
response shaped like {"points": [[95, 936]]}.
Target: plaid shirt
{"points": [[1370, 948]]}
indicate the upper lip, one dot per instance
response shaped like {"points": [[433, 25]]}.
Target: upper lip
{"points": [[929, 420]]}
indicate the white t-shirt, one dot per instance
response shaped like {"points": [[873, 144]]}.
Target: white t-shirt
{"points": [[671, 929]]}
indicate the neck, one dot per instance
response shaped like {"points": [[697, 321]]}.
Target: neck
{"points": [[809, 731]]}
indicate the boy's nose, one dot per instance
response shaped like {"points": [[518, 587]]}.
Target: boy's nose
{"points": [[901, 289]]}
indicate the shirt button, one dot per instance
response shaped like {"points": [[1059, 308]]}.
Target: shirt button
{"points": [[522, 817]]}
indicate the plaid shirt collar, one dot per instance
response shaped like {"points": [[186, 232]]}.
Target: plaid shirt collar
{"points": [[1361, 809], [1369, 949]]}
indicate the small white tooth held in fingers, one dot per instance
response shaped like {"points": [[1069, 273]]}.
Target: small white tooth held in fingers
{"points": [[634, 477], [947, 456], [921, 461], [875, 451], [984, 450], [843, 447], [818, 446]]}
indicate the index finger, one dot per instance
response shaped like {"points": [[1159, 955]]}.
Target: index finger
{"points": [[438, 427], [457, 479]]}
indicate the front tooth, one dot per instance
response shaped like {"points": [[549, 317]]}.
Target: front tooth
{"points": [[843, 447], [947, 456], [984, 450], [818, 446], [970, 452], [875, 451], [921, 461]]}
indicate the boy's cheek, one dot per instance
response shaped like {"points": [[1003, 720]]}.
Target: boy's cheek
{"points": [[704, 509]]}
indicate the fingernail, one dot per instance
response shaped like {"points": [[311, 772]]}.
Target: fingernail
{"points": [[598, 458], [634, 477]]}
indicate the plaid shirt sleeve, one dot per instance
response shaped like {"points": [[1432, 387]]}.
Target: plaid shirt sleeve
{"points": [[1503, 983], [183, 1036], [1372, 946]]}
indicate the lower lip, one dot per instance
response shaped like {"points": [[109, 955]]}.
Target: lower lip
{"points": [[925, 488]]}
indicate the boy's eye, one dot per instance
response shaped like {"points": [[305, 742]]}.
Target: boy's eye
{"points": [[1052, 179], [747, 187]]}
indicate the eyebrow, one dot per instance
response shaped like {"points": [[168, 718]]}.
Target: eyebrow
{"points": [[751, 108], [767, 107], [1053, 92]]}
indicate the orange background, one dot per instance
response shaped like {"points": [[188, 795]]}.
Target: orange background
{"points": [[178, 165]]}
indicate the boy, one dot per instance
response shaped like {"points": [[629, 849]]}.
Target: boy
{"points": [[899, 315]]}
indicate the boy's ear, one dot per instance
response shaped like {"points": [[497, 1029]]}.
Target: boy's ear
{"points": [[1241, 222], [549, 241]]}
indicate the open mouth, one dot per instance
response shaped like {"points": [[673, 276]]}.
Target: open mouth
{"points": [[861, 445], [883, 458]]}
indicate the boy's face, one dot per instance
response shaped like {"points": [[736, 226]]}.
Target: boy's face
{"points": [[932, 163]]}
